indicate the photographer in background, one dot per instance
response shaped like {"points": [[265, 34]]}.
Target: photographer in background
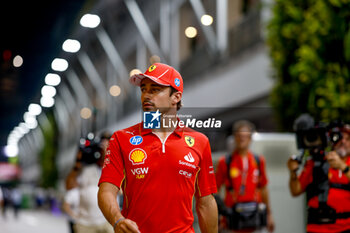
{"points": [[326, 181], [86, 215]]}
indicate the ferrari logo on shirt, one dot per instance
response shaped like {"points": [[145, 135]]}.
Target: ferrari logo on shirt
{"points": [[234, 172], [189, 141], [137, 156]]}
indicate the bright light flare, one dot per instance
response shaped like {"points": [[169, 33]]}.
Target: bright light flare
{"points": [[34, 109], [114, 90], [47, 102], [52, 79], [90, 21], [48, 91], [11, 150], [206, 20], [18, 61], [191, 32], [85, 113], [59, 64], [71, 46]]}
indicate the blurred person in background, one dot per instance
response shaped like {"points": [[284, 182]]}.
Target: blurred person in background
{"points": [[7, 200], [80, 201], [16, 197], [160, 170], [1, 198], [40, 197], [328, 211], [246, 205], [70, 206]]}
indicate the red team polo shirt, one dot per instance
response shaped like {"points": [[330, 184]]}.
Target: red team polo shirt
{"points": [[339, 199], [159, 179], [252, 176]]}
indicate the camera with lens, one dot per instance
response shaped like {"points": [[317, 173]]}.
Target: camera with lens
{"points": [[316, 137], [91, 151]]}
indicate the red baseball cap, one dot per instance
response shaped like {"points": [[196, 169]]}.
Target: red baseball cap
{"points": [[162, 74]]}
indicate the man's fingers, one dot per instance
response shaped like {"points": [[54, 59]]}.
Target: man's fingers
{"points": [[128, 226], [133, 226]]}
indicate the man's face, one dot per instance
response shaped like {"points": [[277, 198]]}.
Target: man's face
{"points": [[243, 138], [155, 96], [343, 146]]}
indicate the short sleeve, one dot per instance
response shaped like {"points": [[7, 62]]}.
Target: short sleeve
{"points": [[72, 196], [263, 175], [206, 184], [305, 177], [113, 165]]}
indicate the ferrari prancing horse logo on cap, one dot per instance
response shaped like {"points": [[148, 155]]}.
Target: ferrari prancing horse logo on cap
{"points": [[189, 141], [151, 68]]}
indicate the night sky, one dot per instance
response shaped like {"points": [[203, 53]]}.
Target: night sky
{"points": [[34, 30]]}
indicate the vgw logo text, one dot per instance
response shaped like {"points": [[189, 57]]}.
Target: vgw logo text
{"points": [[140, 172]]}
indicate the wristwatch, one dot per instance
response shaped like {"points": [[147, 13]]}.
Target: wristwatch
{"points": [[346, 170]]}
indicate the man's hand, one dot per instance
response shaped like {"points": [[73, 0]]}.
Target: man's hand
{"points": [[270, 223], [292, 164], [126, 226], [335, 161], [294, 184]]}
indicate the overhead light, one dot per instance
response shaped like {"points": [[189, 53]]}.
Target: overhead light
{"points": [[11, 150], [14, 135], [47, 102], [71, 46], [48, 91], [17, 61], [114, 90], [22, 130], [135, 71], [191, 32], [90, 21], [207, 20], [154, 59], [32, 125], [59, 64], [12, 140], [34, 109], [17, 130], [24, 127], [52, 79], [85, 113], [28, 118]]}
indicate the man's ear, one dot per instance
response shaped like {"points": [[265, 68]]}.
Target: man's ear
{"points": [[176, 97]]}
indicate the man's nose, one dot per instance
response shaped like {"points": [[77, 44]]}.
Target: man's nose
{"points": [[147, 95]]}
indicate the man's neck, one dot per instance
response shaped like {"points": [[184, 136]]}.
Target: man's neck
{"points": [[170, 123], [242, 152]]}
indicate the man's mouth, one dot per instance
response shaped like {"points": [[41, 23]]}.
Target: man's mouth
{"points": [[147, 104]]}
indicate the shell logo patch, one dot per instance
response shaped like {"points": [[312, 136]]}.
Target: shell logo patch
{"points": [[151, 68], [234, 172], [137, 156], [189, 141]]}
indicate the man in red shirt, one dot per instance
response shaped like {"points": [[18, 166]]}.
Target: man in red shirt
{"points": [[246, 180], [159, 170], [338, 197]]}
